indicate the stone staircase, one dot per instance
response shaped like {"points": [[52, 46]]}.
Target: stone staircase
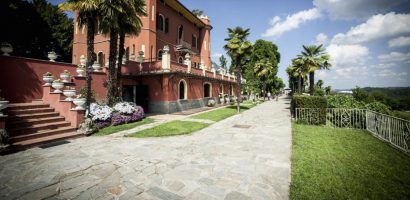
{"points": [[36, 123]]}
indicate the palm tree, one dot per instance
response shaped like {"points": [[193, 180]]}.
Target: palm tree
{"points": [[222, 61], [87, 15], [299, 70], [129, 23], [239, 50], [197, 12], [315, 57]]}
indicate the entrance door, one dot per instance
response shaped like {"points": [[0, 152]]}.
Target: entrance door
{"points": [[142, 96]]}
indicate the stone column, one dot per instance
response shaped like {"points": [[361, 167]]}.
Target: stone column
{"points": [[188, 62], [221, 72], [203, 67], [166, 59], [213, 71]]}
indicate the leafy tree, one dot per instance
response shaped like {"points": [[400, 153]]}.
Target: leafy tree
{"points": [[239, 49], [319, 84], [315, 57], [328, 89], [36, 27], [88, 14], [223, 62], [197, 12]]}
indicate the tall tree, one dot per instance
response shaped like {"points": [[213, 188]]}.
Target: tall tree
{"points": [[223, 62], [197, 12], [315, 57], [239, 49], [88, 14], [129, 23]]}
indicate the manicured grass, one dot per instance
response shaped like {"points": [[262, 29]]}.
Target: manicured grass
{"points": [[402, 114], [223, 113], [346, 164], [114, 129], [171, 128]]}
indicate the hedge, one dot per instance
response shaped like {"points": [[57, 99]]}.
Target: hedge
{"points": [[319, 102]]}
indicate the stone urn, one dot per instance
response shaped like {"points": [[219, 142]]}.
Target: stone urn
{"points": [[48, 80], [80, 70], [83, 60], [79, 102], [133, 57], [65, 76], [6, 48], [69, 94], [57, 85], [97, 67], [211, 103], [52, 56], [3, 105]]}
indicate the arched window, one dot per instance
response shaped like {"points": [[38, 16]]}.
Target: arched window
{"points": [[221, 88], [181, 33], [207, 90], [231, 90], [182, 89], [160, 23], [180, 60], [127, 53], [160, 55], [100, 58]]}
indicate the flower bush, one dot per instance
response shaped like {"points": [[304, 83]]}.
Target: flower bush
{"points": [[121, 113]]}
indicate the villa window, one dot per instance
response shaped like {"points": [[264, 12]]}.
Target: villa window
{"points": [[181, 33], [180, 60], [100, 58], [160, 55], [182, 89], [166, 25], [160, 23], [194, 41], [207, 90], [221, 88]]}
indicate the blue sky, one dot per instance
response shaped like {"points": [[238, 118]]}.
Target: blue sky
{"points": [[368, 40]]}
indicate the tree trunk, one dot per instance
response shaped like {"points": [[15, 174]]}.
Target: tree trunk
{"points": [[311, 82], [300, 84], [91, 57], [121, 53], [238, 81], [112, 86]]}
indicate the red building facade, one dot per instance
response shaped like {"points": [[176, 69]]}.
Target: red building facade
{"points": [[175, 73]]}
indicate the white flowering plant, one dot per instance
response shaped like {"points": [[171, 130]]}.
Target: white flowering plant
{"points": [[125, 108], [100, 112]]}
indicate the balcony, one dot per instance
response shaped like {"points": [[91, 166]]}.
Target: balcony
{"points": [[184, 46]]}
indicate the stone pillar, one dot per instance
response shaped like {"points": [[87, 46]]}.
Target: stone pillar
{"points": [[221, 72], [203, 67], [188, 62], [213, 71], [166, 59]]}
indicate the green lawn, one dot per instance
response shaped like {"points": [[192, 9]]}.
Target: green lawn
{"points": [[223, 113], [114, 129], [171, 128], [346, 164]]}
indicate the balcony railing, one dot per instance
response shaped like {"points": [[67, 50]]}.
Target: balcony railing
{"points": [[183, 45]]}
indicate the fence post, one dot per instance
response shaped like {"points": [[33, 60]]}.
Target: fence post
{"points": [[388, 122], [367, 123]]}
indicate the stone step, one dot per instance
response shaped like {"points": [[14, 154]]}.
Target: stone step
{"points": [[38, 127], [21, 106], [21, 122], [31, 116], [30, 111], [41, 134], [43, 140]]}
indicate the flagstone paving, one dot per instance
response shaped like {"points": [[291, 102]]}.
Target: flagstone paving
{"points": [[246, 156]]}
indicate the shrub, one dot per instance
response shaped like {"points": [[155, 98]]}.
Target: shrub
{"points": [[344, 101], [319, 102], [100, 112], [125, 108], [379, 107]]}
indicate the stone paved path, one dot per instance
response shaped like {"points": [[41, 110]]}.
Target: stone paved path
{"points": [[244, 157]]}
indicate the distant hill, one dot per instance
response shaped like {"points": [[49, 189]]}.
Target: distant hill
{"points": [[392, 92]]}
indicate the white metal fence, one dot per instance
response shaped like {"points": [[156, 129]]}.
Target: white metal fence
{"points": [[393, 130]]}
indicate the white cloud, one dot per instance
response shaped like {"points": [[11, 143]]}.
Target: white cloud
{"points": [[347, 55], [291, 22], [353, 9], [389, 73], [352, 72], [216, 55], [383, 65], [376, 27], [399, 42], [394, 57], [321, 38]]}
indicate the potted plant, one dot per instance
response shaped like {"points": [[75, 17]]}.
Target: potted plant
{"points": [[80, 70], [65, 76], [96, 66], [52, 56], [48, 78], [3, 105], [57, 85], [69, 92], [79, 101], [6, 48]]}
